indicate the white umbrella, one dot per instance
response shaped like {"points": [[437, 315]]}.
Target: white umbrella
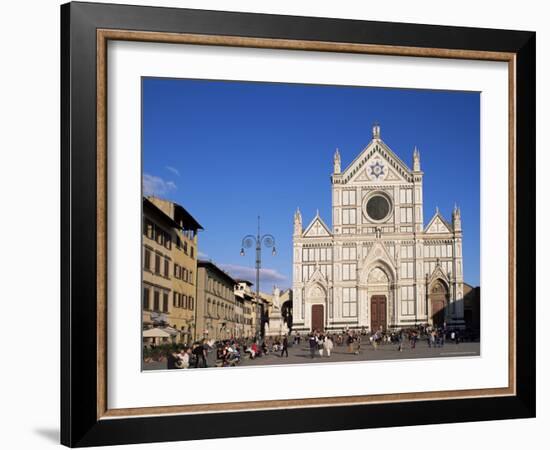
{"points": [[155, 333]]}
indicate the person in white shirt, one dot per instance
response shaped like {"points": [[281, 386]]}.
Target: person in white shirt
{"points": [[327, 345]]}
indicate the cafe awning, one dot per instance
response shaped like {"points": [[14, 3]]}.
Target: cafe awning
{"points": [[156, 333]]}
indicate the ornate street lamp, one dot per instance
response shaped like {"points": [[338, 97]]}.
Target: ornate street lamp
{"points": [[427, 315], [268, 241]]}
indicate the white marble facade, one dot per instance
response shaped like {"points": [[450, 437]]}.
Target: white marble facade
{"points": [[379, 266]]}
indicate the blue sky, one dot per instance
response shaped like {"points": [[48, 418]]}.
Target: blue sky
{"points": [[229, 151]]}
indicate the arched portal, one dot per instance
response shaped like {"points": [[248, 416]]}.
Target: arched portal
{"points": [[316, 303], [378, 284], [439, 294]]}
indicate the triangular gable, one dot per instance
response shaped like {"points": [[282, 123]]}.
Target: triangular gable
{"points": [[377, 162], [438, 225], [438, 274], [378, 253], [317, 228], [317, 277]]}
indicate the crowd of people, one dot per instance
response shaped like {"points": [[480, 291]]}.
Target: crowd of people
{"points": [[322, 343], [230, 352]]}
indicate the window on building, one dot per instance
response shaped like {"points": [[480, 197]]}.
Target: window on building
{"points": [[148, 229], [348, 198], [185, 247], [307, 271], [406, 215], [156, 301], [407, 251], [191, 303], [175, 300], [349, 253], [159, 236], [407, 270], [146, 300], [326, 271], [165, 301], [147, 259], [349, 302], [157, 264], [348, 216], [166, 268], [349, 271], [405, 195], [192, 252], [184, 301], [407, 300]]}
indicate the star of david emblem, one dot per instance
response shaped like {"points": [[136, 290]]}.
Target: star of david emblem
{"points": [[376, 170]]}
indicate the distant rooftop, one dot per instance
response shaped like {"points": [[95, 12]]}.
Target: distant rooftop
{"points": [[177, 212], [211, 266]]}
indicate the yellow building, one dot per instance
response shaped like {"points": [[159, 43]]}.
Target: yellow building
{"points": [[244, 296], [216, 303], [169, 268]]}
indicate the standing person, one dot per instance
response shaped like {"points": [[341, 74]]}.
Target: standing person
{"points": [[400, 338], [320, 342], [413, 340], [350, 342], [172, 360], [253, 350], [183, 361], [285, 347], [375, 340], [328, 345], [197, 352], [312, 345]]}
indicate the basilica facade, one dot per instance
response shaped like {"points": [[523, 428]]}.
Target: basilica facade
{"points": [[379, 266]]}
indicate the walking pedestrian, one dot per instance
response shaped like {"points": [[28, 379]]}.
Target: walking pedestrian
{"points": [[172, 360], [400, 338], [328, 345], [312, 345], [349, 341], [285, 347], [320, 341], [413, 340]]}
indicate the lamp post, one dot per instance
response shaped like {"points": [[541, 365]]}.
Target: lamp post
{"points": [[268, 241], [427, 315]]}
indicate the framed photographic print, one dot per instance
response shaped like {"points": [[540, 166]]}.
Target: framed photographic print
{"points": [[320, 223]]}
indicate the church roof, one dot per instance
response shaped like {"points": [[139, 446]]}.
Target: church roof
{"points": [[436, 223], [317, 228], [376, 145]]}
